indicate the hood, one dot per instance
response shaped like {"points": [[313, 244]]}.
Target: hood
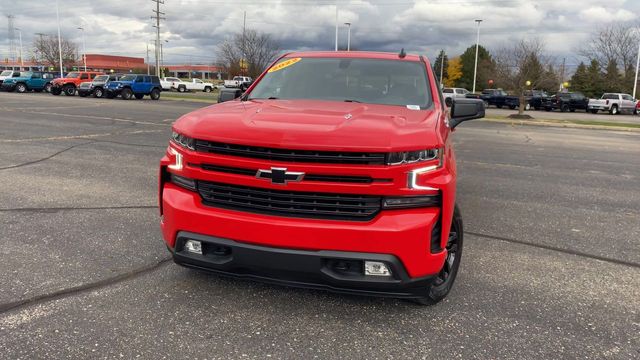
{"points": [[62, 80], [321, 125]]}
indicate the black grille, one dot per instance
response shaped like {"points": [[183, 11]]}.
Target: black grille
{"points": [[310, 156], [289, 203]]}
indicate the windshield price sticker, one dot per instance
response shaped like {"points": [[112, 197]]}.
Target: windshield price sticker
{"points": [[284, 64]]}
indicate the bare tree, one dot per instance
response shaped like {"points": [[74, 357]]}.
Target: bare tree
{"points": [[45, 50], [524, 66], [249, 54]]}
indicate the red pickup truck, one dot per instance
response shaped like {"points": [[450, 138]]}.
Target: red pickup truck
{"points": [[71, 82], [334, 170]]}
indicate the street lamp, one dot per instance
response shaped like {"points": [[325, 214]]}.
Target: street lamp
{"points": [[348, 36], [84, 49], [475, 67], [162, 59], [20, 35]]}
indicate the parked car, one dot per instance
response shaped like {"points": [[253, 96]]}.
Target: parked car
{"points": [[96, 87], [243, 193], [454, 92], [567, 101], [614, 103], [496, 97], [27, 81], [535, 99], [240, 82], [71, 81], [132, 85], [8, 74], [169, 83], [195, 85]]}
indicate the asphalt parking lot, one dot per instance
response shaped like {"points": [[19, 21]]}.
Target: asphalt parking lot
{"points": [[551, 266]]}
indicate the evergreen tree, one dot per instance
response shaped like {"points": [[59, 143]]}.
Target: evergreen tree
{"points": [[580, 80], [486, 68], [444, 60], [595, 82], [612, 78]]}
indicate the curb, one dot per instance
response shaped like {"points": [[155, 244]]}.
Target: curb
{"points": [[550, 123]]}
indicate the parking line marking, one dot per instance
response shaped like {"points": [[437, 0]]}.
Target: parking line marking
{"points": [[72, 137]]}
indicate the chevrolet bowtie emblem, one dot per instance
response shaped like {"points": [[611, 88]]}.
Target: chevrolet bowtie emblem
{"points": [[279, 176]]}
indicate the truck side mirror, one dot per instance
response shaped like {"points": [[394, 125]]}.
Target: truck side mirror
{"points": [[448, 101], [229, 94], [464, 110]]}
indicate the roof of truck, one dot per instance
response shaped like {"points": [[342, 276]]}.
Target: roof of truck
{"points": [[354, 54]]}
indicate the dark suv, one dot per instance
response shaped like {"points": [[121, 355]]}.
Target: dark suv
{"points": [[134, 85], [568, 101], [96, 87]]}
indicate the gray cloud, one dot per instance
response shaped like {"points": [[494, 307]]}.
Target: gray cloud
{"points": [[195, 27]]}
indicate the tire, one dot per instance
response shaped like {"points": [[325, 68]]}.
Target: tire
{"points": [[47, 87], [499, 106], [564, 108], [527, 106], [512, 107], [126, 94], [69, 90], [182, 88], [155, 94], [55, 91], [98, 92], [443, 283], [21, 88], [594, 111], [139, 96], [614, 110], [207, 89]]}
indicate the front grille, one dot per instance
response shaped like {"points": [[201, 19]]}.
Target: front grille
{"points": [[310, 156], [307, 177], [289, 203]]}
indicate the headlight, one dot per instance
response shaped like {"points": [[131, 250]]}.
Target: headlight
{"points": [[183, 141], [410, 157], [118, 86]]}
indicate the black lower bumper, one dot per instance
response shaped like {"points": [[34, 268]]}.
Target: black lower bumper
{"points": [[84, 92], [335, 271], [7, 87]]}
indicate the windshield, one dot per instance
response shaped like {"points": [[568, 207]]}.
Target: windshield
{"points": [[25, 74], [73, 75], [387, 82], [6, 73], [101, 78], [128, 78]]}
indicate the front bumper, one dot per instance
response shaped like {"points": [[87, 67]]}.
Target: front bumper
{"points": [[85, 91], [112, 92], [7, 87], [336, 271], [598, 107]]}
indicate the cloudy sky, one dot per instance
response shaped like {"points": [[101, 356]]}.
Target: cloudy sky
{"points": [[193, 28]]}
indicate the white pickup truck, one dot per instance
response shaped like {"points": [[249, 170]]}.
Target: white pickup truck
{"points": [[614, 103], [241, 82], [172, 83]]}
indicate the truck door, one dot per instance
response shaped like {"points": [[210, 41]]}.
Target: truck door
{"points": [[37, 82]]}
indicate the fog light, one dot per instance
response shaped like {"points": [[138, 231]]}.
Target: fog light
{"points": [[193, 246], [376, 268]]}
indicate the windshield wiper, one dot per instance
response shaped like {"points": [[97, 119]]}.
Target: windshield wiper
{"points": [[351, 100]]}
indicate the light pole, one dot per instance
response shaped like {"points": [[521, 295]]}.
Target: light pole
{"points": [[635, 83], [162, 59], [336, 26], [59, 38], [475, 67], [148, 65], [348, 36], [84, 49], [20, 36], [441, 67]]}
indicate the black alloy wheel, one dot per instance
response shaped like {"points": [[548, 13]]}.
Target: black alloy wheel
{"points": [[443, 283]]}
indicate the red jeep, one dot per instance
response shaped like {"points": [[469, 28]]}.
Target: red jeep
{"points": [[71, 82], [334, 170]]}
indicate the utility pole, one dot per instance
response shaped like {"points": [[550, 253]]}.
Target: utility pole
{"points": [[148, 70], [348, 36], [84, 49], [59, 38], [562, 74], [336, 26], [158, 16], [475, 67]]}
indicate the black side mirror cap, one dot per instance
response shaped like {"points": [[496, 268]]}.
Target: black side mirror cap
{"points": [[464, 110], [448, 101], [229, 94]]}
